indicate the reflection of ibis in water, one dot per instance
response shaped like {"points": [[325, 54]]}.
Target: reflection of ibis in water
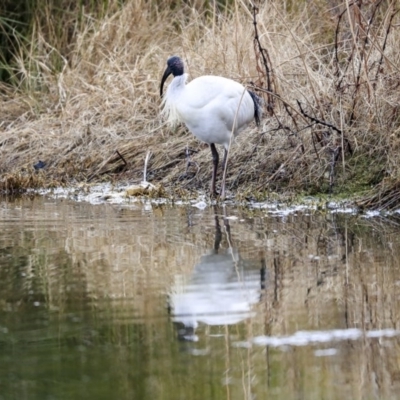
{"points": [[220, 291]]}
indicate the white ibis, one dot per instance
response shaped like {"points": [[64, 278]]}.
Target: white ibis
{"points": [[212, 107]]}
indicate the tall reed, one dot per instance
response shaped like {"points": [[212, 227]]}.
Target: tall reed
{"points": [[329, 77]]}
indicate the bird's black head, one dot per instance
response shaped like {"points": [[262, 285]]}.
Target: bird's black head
{"points": [[174, 67], [175, 64]]}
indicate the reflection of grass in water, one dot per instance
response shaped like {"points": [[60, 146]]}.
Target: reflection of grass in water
{"points": [[102, 325], [88, 77]]}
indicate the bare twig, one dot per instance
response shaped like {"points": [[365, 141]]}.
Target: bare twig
{"points": [[328, 125], [266, 62], [318, 121], [121, 157], [378, 70], [335, 157]]}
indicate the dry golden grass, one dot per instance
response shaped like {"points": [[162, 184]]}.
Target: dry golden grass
{"points": [[342, 63]]}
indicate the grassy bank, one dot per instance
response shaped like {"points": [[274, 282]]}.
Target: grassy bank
{"points": [[87, 103]]}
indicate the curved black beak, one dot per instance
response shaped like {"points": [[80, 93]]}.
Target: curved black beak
{"points": [[167, 73]]}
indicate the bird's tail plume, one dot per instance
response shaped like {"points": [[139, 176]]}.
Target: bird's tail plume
{"points": [[258, 101]]}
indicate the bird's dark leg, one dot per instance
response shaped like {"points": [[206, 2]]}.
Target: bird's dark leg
{"points": [[215, 157], [223, 174]]}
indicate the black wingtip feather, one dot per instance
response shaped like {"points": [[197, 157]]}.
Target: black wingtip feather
{"points": [[257, 107]]}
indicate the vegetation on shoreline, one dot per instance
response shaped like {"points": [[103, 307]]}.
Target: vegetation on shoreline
{"points": [[82, 95]]}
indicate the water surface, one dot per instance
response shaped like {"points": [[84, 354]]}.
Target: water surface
{"points": [[138, 301]]}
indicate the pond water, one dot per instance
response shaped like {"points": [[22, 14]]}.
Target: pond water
{"points": [[137, 301]]}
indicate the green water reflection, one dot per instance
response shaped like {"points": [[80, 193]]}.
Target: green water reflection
{"points": [[94, 300]]}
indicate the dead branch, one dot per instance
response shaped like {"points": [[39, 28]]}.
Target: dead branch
{"points": [[262, 53]]}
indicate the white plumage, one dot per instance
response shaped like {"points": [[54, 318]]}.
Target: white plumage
{"points": [[212, 108]]}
